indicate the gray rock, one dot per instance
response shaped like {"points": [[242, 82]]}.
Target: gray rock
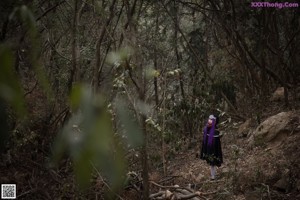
{"points": [[298, 185], [278, 95], [282, 184], [244, 128], [273, 130]]}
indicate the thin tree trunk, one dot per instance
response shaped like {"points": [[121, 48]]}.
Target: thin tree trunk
{"points": [[130, 14], [163, 127], [75, 51], [178, 57], [97, 68], [155, 61], [145, 167], [176, 30], [141, 91], [156, 94], [264, 85], [242, 46], [145, 174]]}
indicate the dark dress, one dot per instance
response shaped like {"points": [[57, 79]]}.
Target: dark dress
{"points": [[212, 154]]}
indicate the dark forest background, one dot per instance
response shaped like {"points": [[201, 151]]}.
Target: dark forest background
{"points": [[91, 90]]}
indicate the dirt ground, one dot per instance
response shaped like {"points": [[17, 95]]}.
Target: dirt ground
{"points": [[248, 172]]}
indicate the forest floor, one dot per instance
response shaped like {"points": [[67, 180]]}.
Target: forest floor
{"points": [[240, 177], [248, 172], [188, 171]]}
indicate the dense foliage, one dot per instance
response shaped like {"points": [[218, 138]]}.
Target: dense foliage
{"points": [[104, 83]]}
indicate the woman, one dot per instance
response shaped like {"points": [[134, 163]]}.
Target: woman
{"points": [[211, 146]]}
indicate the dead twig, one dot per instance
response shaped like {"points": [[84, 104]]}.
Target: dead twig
{"points": [[188, 195], [170, 187], [167, 179], [178, 192], [30, 91], [27, 192], [59, 116], [104, 181], [268, 189], [160, 193]]}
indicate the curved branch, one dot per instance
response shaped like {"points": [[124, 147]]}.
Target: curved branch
{"points": [[49, 10]]}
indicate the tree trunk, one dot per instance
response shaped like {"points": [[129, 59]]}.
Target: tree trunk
{"points": [[130, 13], [145, 174], [155, 61], [75, 50], [98, 66]]}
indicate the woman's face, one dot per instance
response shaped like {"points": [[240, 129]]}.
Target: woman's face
{"points": [[209, 122]]}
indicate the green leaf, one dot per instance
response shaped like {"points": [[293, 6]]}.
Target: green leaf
{"points": [[4, 134], [83, 168], [10, 89], [133, 132], [75, 97], [26, 16], [116, 58], [88, 138], [28, 19], [10, 93], [151, 73]]}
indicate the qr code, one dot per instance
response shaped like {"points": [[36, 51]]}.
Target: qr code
{"points": [[8, 191]]}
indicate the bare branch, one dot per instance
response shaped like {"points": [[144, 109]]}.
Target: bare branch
{"points": [[50, 9]]}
